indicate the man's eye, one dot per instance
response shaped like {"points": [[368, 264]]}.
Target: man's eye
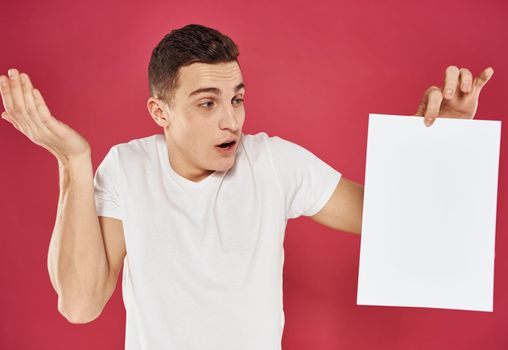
{"points": [[206, 104]]}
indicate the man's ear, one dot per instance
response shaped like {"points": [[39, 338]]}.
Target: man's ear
{"points": [[158, 109]]}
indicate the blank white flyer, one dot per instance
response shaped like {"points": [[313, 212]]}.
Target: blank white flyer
{"points": [[429, 213]]}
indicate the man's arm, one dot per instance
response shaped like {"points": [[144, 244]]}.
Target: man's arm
{"points": [[343, 211], [77, 260]]}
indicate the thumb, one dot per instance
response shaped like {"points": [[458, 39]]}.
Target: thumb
{"points": [[422, 107]]}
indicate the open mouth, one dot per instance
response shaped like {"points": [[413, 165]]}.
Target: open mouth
{"points": [[227, 145]]}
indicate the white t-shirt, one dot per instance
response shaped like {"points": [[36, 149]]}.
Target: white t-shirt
{"points": [[203, 268]]}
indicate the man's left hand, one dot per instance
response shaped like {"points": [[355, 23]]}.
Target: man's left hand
{"points": [[458, 98]]}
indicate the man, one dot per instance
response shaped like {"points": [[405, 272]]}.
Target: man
{"points": [[201, 210]]}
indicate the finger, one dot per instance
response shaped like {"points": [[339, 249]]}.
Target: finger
{"points": [[45, 115], [466, 79], [16, 92], [26, 88], [480, 81], [33, 114], [433, 106], [27, 106], [11, 120], [18, 106], [6, 93], [451, 80], [28, 102], [423, 104]]}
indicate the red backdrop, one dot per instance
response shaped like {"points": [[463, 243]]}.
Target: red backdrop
{"points": [[313, 71]]}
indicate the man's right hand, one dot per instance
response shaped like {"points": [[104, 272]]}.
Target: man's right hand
{"points": [[26, 110]]}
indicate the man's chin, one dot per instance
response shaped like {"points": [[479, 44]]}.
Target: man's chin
{"points": [[227, 165]]}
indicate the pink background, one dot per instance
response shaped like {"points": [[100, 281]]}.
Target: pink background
{"points": [[313, 72]]}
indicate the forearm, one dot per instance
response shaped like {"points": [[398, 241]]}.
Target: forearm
{"points": [[352, 209], [77, 261]]}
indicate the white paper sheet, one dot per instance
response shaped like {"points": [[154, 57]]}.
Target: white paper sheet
{"points": [[429, 214]]}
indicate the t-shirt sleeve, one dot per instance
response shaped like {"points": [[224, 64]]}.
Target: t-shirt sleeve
{"points": [[306, 181], [107, 201]]}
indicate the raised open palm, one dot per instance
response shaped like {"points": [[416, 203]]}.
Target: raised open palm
{"points": [[26, 110]]}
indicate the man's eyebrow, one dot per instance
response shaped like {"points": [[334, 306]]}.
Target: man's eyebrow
{"points": [[215, 90]]}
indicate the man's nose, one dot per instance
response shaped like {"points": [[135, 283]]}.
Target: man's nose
{"points": [[230, 120]]}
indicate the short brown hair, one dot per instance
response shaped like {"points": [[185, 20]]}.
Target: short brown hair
{"points": [[181, 47]]}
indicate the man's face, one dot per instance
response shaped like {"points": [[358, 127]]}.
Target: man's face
{"points": [[200, 120]]}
